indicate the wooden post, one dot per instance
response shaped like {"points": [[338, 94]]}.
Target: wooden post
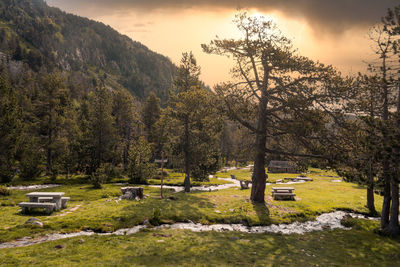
{"points": [[162, 172]]}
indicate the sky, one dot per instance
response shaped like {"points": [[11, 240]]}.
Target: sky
{"points": [[330, 31]]}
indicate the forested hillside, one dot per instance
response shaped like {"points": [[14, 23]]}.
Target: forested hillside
{"points": [[44, 37]]}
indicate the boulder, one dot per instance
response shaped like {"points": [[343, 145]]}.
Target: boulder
{"points": [[35, 222]]}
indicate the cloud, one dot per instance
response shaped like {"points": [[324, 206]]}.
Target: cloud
{"points": [[327, 15]]}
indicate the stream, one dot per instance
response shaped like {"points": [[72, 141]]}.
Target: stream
{"points": [[209, 188], [330, 220], [33, 187], [325, 221]]}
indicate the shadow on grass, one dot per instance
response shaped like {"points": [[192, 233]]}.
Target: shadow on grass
{"points": [[174, 207], [262, 211]]}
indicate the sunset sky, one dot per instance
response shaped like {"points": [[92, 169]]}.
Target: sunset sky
{"points": [[333, 32]]}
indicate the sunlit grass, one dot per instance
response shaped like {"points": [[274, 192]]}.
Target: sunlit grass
{"points": [[358, 247], [100, 210]]}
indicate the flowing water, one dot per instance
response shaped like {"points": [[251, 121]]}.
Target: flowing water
{"points": [[33, 187], [325, 221]]}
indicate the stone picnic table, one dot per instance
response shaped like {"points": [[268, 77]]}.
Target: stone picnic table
{"points": [[50, 201], [283, 193]]}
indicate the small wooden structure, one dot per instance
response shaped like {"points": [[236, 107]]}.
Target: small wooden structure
{"points": [[276, 166], [283, 193]]}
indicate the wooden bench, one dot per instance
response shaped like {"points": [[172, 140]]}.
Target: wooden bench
{"points": [[283, 193], [49, 207], [64, 201]]}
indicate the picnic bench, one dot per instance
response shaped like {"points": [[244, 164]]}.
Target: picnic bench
{"points": [[50, 201], [283, 193], [49, 207]]}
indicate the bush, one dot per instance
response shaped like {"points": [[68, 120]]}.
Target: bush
{"points": [[111, 171], [99, 177], [140, 168], [6, 174], [53, 175], [199, 174], [156, 220], [4, 191]]}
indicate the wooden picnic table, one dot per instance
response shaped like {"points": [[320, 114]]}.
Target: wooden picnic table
{"points": [[34, 197]]}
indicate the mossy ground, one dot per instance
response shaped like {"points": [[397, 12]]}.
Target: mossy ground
{"points": [[98, 209]]}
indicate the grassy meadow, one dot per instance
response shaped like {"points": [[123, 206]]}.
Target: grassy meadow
{"points": [[100, 210]]}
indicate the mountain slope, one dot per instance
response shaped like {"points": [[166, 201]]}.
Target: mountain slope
{"points": [[44, 36]]}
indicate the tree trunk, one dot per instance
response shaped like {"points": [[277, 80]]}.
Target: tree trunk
{"points": [[49, 168], [386, 200], [259, 179], [187, 158], [125, 156], [385, 141], [370, 191], [371, 200], [393, 227]]}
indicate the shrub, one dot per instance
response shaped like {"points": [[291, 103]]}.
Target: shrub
{"points": [[99, 177], [156, 220], [4, 191], [6, 173], [111, 171]]}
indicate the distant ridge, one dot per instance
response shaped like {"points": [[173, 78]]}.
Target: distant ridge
{"points": [[46, 37]]}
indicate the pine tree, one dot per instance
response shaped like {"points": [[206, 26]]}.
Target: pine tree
{"points": [[10, 129], [151, 114], [101, 128], [140, 168], [195, 123], [126, 122], [50, 110]]}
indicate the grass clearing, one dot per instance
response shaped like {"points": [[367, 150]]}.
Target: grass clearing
{"points": [[98, 209], [358, 247]]}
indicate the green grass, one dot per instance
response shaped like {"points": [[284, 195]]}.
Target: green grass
{"points": [[98, 210], [358, 247]]}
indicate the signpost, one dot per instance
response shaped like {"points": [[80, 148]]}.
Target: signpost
{"points": [[162, 161]]}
